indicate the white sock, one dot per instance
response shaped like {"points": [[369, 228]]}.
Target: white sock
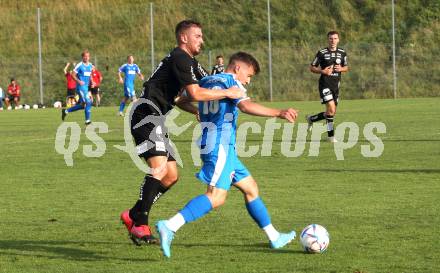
{"points": [[175, 222], [271, 232]]}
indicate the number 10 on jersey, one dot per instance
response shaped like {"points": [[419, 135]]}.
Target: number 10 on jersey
{"points": [[210, 107]]}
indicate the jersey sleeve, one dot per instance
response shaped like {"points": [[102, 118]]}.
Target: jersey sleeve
{"points": [[138, 69], [316, 60], [184, 71], [344, 60], [122, 68], [77, 68]]}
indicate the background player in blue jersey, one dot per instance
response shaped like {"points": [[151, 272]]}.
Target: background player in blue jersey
{"points": [[221, 167], [82, 75], [130, 70]]}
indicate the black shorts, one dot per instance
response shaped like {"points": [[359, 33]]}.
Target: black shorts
{"points": [[94, 90], [328, 94], [71, 92], [12, 98], [151, 140]]}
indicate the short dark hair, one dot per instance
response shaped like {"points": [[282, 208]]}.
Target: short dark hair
{"points": [[247, 59], [85, 51], [12, 79], [219, 56], [332, 32], [184, 25]]}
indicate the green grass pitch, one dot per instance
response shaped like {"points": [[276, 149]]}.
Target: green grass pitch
{"points": [[382, 213]]}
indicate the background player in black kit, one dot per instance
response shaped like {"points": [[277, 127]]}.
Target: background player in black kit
{"points": [[330, 62], [177, 72], [219, 66]]}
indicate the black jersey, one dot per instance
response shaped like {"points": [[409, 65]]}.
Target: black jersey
{"points": [[217, 69], [325, 58], [173, 73]]}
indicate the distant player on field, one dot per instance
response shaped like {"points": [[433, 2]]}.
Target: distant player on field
{"points": [[221, 167], [82, 75], [14, 94], [130, 70], [71, 86], [176, 72], [94, 89], [219, 66], [330, 62]]}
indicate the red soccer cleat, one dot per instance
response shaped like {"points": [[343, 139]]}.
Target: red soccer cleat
{"points": [[142, 234], [126, 220]]}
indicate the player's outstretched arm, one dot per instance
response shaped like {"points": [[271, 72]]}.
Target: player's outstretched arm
{"points": [[197, 93], [255, 109], [65, 68]]}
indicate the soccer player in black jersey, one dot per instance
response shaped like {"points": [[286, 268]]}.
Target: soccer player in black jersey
{"points": [[177, 73], [330, 62], [219, 66]]}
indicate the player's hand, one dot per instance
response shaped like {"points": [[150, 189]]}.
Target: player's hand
{"points": [[234, 93], [289, 114], [81, 82], [120, 80], [337, 67], [327, 71]]}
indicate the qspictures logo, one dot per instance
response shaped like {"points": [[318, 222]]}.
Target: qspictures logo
{"points": [[164, 128]]}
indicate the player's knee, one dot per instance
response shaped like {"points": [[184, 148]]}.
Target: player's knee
{"points": [[170, 179], [330, 112], [217, 201]]}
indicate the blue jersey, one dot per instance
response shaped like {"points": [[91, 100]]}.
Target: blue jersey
{"points": [[219, 118], [221, 166], [130, 71], [83, 73]]}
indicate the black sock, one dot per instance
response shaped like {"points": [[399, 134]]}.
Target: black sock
{"points": [[330, 129], [317, 117], [150, 191]]}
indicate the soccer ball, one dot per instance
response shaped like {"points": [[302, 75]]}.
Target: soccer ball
{"points": [[315, 238], [27, 107], [35, 106], [57, 104]]}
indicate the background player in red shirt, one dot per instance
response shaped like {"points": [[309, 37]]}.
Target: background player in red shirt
{"points": [[71, 86], [13, 94], [94, 89]]}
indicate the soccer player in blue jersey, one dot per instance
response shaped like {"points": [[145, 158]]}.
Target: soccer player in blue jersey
{"points": [[82, 75], [130, 70], [221, 167]]}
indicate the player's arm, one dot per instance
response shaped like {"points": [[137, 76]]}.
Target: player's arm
{"points": [[314, 66], [65, 68], [343, 67], [255, 109], [197, 93], [75, 77], [140, 75], [120, 79], [184, 103]]}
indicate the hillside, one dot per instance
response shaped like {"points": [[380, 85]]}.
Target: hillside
{"points": [[111, 29]]}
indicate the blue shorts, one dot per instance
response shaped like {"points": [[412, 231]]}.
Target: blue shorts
{"points": [[129, 92], [222, 169], [83, 96]]}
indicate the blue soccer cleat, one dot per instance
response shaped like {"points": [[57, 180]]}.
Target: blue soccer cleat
{"points": [[283, 240], [166, 236]]}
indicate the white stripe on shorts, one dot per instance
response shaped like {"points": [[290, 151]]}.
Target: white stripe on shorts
{"points": [[219, 166]]}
